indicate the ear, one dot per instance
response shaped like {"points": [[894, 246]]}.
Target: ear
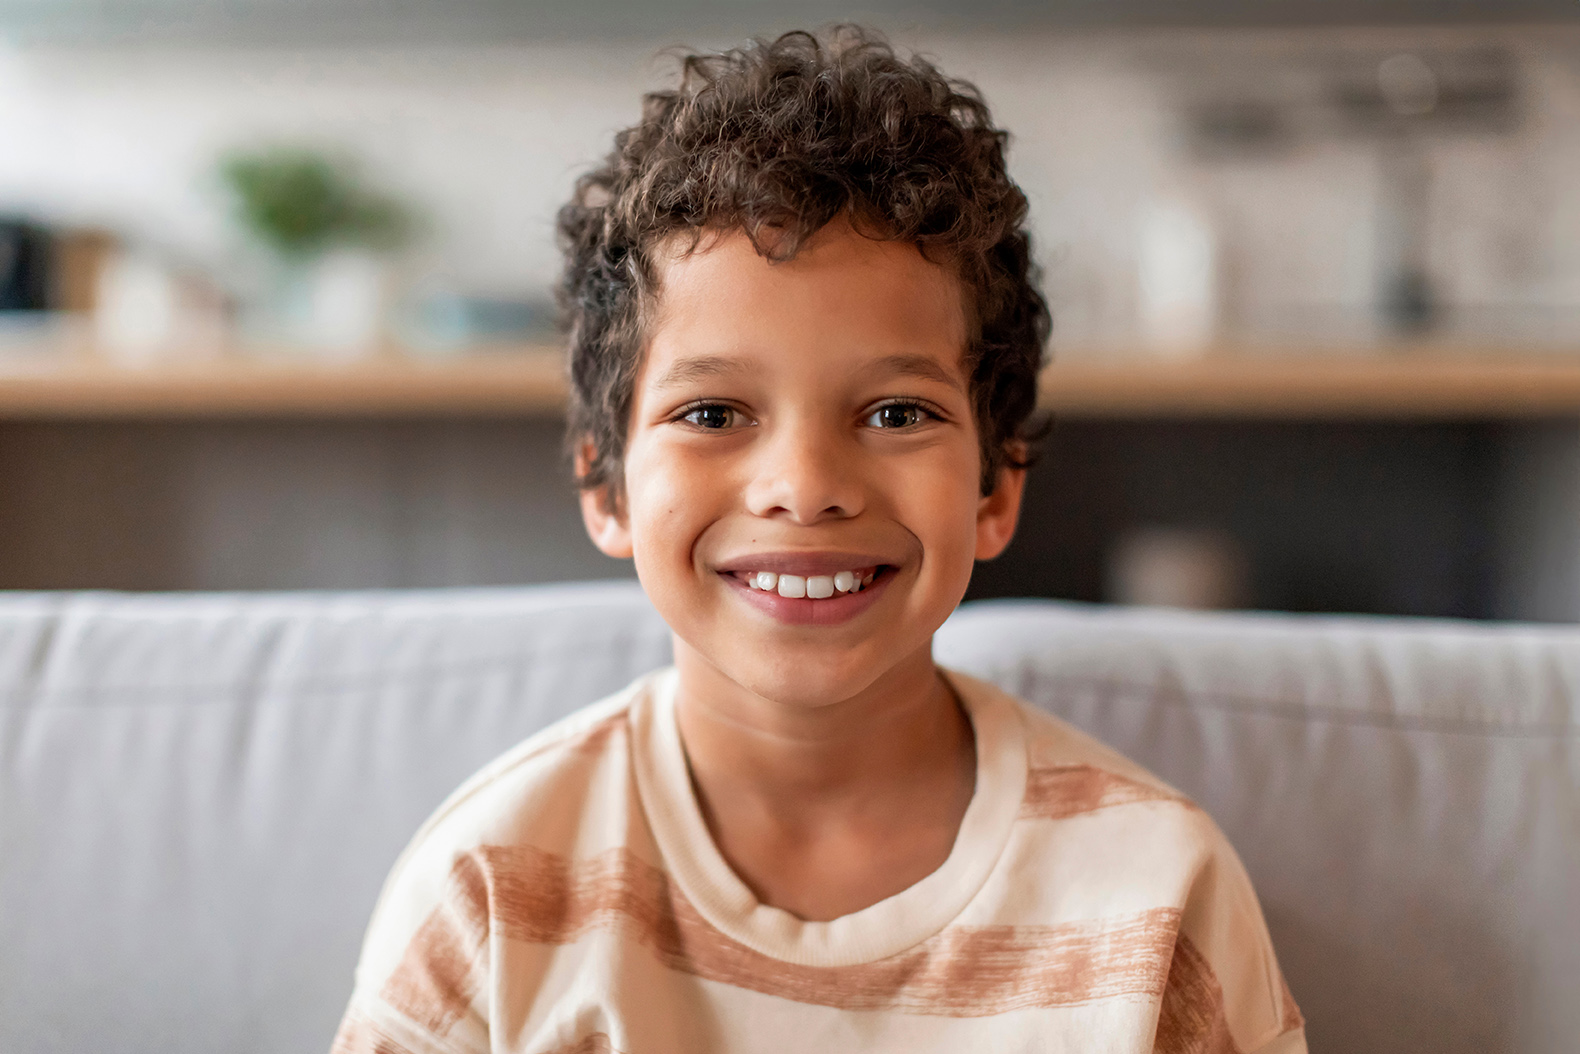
{"points": [[605, 520], [605, 526], [999, 512]]}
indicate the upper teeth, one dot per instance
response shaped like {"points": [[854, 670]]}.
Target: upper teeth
{"points": [[817, 587]]}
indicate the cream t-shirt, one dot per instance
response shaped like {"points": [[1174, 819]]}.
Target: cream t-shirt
{"points": [[569, 898]]}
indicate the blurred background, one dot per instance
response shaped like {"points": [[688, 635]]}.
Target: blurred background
{"points": [[275, 279]]}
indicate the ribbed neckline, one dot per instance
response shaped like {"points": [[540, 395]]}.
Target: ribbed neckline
{"points": [[876, 932]]}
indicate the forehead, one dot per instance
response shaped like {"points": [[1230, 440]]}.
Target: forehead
{"points": [[844, 299]]}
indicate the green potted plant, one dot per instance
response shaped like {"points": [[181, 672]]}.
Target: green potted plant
{"points": [[329, 236]]}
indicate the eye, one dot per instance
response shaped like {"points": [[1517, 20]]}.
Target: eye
{"points": [[713, 417], [898, 415]]}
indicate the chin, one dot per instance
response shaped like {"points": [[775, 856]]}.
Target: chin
{"points": [[809, 678], [801, 668], [802, 693]]}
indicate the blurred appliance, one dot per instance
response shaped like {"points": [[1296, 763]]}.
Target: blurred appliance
{"points": [[1391, 100], [25, 260], [1399, 100]]}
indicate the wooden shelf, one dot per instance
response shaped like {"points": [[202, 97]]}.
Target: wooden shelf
{"points": [[1407, 385], [525, 381]]}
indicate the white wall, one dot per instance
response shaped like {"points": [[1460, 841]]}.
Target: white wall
{"points": [[488, 140]]}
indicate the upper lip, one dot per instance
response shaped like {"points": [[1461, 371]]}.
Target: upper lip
{"points": [[801, 563]]}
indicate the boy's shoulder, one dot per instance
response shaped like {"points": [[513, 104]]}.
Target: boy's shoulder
{"points": [[1080, 791], [1069, 771], [537, 794], [1104, 837], [537, 773]]}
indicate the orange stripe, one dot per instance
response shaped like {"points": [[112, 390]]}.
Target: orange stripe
{"points": [[435, 983], [593, 1043], [1192, 1019], [961, 972], [1069, 790]]}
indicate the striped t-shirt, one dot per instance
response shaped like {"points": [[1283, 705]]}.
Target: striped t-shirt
{"points": [[569, 898]]}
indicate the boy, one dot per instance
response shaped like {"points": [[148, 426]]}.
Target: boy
{"points": [[804, 348]]}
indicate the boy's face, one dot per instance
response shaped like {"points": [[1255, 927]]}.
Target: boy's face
{"points": [[805, 418]]}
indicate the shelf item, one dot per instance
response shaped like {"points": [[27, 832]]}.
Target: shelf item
{"points": [[531, 380]]}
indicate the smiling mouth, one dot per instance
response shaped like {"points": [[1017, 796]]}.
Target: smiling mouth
{"points": [[811, 587]]}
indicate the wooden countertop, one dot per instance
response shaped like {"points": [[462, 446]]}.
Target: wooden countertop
{"points": [[1398, 383]]}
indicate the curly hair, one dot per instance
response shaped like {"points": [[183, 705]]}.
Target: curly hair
{"points": [[777, 139]]}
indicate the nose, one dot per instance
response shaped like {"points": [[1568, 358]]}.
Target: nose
{"points": [[806, 475]]}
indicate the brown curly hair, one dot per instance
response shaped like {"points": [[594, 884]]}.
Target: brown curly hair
{"points": [[777, 139]]}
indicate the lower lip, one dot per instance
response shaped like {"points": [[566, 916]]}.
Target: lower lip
{"points": [[800, 611]]}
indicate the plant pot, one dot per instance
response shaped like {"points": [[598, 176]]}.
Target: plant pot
{"points": [[332, 305]]}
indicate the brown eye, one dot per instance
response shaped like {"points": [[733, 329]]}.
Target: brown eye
{"points": [[896, 415], [712, 417]]}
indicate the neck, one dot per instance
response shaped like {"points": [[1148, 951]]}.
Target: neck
{"points": [[801, 764]]}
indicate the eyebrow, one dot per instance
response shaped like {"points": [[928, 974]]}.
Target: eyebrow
{"points": [[917, 366], [684, 371], [700, 367]]}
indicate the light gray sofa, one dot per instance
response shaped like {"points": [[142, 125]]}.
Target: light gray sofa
{"points": [[200, 795]]}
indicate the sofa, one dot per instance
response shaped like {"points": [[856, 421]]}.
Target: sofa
{"points": [[201, 794]]}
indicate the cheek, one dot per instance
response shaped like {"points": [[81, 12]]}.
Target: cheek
{"points": [[670, 500], [940, 499]]}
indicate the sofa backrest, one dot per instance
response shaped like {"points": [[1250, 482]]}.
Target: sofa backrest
{"points": [[200, 795]]}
